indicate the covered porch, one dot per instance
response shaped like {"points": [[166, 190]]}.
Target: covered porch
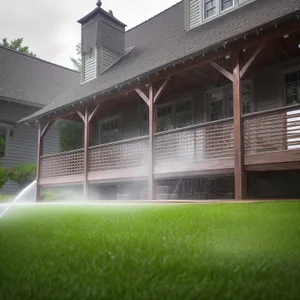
{"points": [[238, 138]]}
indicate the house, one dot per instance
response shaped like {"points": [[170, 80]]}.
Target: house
{"points": [[26, 85], [200, 101]]}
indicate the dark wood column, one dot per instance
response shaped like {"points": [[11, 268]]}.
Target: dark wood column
{"points": [[239, 173], [152, 130], [87, 118], [86, 155], [151, 101], [42, 131]]}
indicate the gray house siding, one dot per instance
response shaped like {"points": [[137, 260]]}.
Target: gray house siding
{"points": [[22, 143]]}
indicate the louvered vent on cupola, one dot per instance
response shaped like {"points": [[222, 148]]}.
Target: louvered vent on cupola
{"points": [[102, 42]]}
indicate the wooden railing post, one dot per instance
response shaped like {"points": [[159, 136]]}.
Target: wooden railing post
{"points": [[86, 155], [151, 101], [152, 130], [42, 131], [239, 173], [38, 164]]}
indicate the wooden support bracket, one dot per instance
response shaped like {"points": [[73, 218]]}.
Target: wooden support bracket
{"points": [[46, 129], [93, 113], [80, 114], [161, 89], [143, 96], [251, 60], [223, 71]]}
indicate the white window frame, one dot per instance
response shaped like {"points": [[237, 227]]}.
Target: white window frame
{"points": [[7, 128], [218, 9], [109, 119], [219, 13]]}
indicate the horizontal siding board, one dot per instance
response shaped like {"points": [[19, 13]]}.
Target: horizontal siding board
{"points": [[22, 145], [107, 59]]}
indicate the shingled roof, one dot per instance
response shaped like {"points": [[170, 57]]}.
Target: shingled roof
{"points": [[162, 40], [32, 80]]}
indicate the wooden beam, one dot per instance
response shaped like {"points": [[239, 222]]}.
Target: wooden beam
{"points": [[282, 49], [40, 150], [239, 174], [251, 60], [152, 130], [81, 115], [223, 71], [46, 128], [94, 112], [161, 89], [86, 155], [143, 96], [264, 37]]}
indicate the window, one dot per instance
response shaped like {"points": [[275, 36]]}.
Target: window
{"points": [[209, 8], [200, 11], [292, 87], [220, 102], [3, 141], [170, 116], [225, 4], [110, 130]]}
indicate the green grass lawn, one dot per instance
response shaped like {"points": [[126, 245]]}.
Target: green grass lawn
{"points": [[5, 198], [223, 251]]}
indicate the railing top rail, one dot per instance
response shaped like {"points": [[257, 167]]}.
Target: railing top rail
{"points": [[62, 153], [140, 138], [270, 111], [194, 126]]}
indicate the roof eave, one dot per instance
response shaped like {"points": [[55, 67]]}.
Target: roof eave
{"points": [[97, 10]]}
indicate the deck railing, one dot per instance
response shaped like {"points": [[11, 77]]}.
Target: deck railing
{"points": [[272, 130], [119, 155], [266, 131], [212, 140], [61, 164]]}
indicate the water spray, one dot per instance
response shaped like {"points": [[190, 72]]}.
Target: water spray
{"points": [[21, 196]]}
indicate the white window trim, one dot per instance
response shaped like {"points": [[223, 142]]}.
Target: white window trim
{"points": [[109, 119], [7, 128], [219, 13]]}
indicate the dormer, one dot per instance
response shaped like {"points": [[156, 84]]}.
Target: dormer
{"points": [[102, 42], [198, 12]]}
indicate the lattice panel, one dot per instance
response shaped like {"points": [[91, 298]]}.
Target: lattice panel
{"points": [[195, 144], [120, 155], [67, 163], [275, 131]]}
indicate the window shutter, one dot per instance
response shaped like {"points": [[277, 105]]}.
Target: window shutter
{"points": [[193, 13]]}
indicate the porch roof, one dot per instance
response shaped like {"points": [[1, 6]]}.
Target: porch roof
{"points": [[162, 40]]}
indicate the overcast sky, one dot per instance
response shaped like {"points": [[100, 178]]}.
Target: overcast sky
{"points": [[51, 30]]}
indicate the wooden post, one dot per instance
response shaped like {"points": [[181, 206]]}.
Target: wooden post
{"points": [[151, 101], [152, 130], [40, 151], [42, 131], [86, 154], [239, 173]]}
